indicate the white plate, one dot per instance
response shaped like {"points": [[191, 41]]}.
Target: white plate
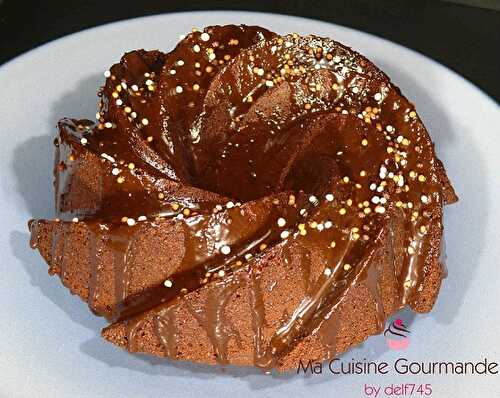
{"points": [[49, 341]]}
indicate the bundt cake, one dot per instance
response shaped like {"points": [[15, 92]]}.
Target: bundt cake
{"points": [[247, 198]]}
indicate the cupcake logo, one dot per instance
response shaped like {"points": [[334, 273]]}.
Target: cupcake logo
{"points": [[396, 335]]}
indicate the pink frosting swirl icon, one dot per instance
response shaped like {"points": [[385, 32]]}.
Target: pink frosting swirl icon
{"points": [[396, 335]]}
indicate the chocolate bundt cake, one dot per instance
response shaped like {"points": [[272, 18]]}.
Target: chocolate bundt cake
{"points": [[247, 198]]}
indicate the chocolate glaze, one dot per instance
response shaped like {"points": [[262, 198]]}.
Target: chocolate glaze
{"points": [[243, 143]]}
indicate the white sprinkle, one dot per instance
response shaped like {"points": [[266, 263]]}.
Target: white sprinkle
{"points": [[180, 62], [135, 87], [281, 222], [172, 71], [327, 271], [178, 89], [142, 218], [83, 140], [380, 209], [145, 121], [328, 224], [248, 256], [355, 90], [205, 36], [376, 200], [107, 73], [269, 83], [329, 197], [383, 172], [377, 96], [108, 125], [168, 283], [75, 219], [383, 200], [130, 222], [313, 199], [285, 234], [373, 186], [124, 85], [389, 128], [115, 171], [424, 199], [196, 48], [320, 227], [119, 102], [221, 273], [225, 250], [107, 157], [149, 82], [229, 205]]}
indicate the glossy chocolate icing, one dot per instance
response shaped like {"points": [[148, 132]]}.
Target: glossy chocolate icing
{"points": [[250, 142]]}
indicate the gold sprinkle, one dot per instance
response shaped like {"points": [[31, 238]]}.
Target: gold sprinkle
{"points": [[307, 106], [186, 212], [347, 267], [174, 206], [120, 180], [131, 166], [149, 139], [364, 142], [196, 87], [421, 178], [161, 195], [342, 211], [262, 247], [332, 244]]}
